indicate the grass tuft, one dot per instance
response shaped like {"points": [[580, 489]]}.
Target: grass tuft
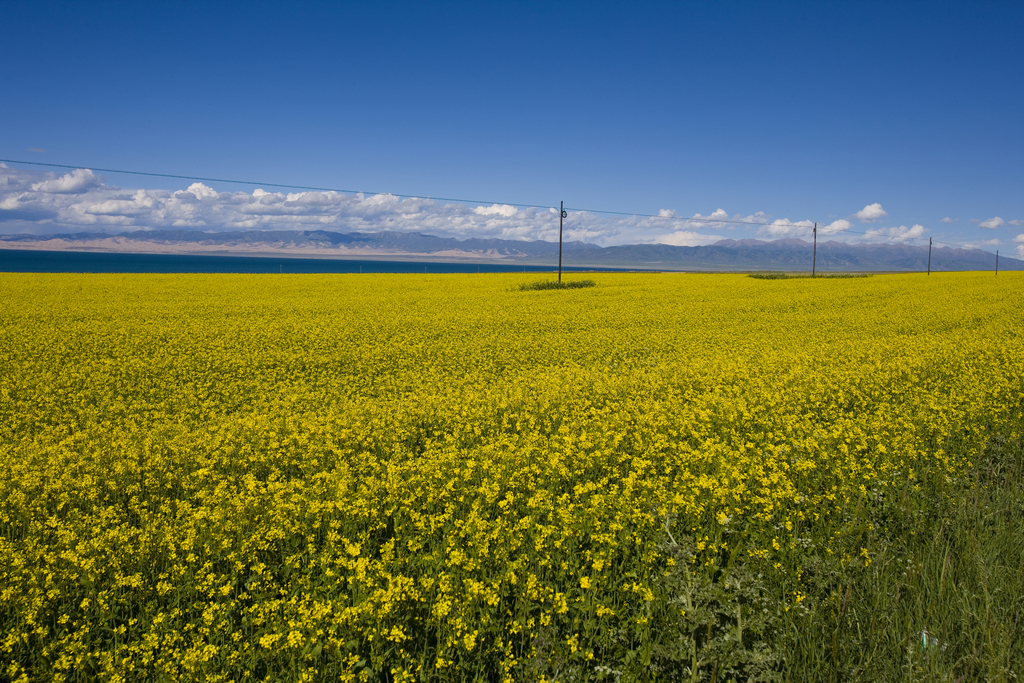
{"points": [[554, 284]]}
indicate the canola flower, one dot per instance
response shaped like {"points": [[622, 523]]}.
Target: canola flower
{"points": [[338, 477]]}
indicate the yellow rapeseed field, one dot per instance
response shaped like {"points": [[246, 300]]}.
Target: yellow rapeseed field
{"points": [[413, 477]]}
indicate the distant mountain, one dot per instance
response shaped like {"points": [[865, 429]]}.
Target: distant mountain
{"points": [[792, 254], [746, 254], [297, 242]]}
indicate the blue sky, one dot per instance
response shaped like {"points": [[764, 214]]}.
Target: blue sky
{"points": [[776, 111]]}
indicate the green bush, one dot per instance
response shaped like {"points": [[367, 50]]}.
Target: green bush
{"points": [[554, 284]]}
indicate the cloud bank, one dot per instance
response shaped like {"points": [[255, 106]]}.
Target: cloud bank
{"points": [[35, 202], [900, 234], [81, 201]]}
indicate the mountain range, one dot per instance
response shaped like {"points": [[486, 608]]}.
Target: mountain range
{"points": [[747, 254]]}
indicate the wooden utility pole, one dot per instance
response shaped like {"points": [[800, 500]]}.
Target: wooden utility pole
{"points": [[929, 255], [561, 215], [814, 261]]}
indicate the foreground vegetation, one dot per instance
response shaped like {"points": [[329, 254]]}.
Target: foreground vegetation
{"points": [[415, 477]]}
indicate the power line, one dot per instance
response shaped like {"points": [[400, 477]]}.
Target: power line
{"points": [[807, 230], [253, 182], [393, 194], [870, 234], [695, 219], [699, 219]]}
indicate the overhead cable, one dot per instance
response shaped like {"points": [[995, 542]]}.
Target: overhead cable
{"points": [[694, 219]]}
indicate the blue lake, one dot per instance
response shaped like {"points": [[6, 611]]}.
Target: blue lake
{"points": [[30, 261]]}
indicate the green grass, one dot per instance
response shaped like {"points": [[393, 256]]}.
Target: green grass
{"points": [[938, 596], [943, 597], [554, 284]]}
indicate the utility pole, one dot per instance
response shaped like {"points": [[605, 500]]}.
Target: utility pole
{"points": [[814, 262], [561, 215], [929, 255], [997, 262]]}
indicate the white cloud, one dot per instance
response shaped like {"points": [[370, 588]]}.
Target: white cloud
{"points": [[871, 213], [201, 191], [983, 243], [716, 220], [991, 223], [947, 219], [900, 234], [717, 216], [113, 207], [79, 180], [578, 234], [1015, 222], [783, 227], [687, 238], [140, 203], [835, 227], [496, 210], [36, 202], [28, 203], [686, 232], [1019, 238]]}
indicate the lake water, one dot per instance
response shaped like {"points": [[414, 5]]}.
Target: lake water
{"points": [[31, 261]]}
